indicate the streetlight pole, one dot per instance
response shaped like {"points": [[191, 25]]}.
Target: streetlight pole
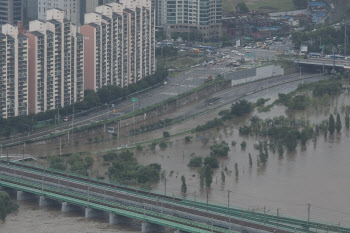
{"points": [[228, 199], [308, 215]]}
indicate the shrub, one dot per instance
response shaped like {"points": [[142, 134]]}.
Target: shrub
{"points": [[195, 162], [212, 162]]}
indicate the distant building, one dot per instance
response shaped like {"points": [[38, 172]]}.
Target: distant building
{"points": [[71, 9], [119, 44], [30, 8], [204, 16], [55, 63], [87, 6], [13, 72], [11, 11]]}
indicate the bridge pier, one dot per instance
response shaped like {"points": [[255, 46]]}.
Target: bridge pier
{"points": [[92, 213], [115, 219], [23, 196], [44, 201], [150, 227], [67, 207]]}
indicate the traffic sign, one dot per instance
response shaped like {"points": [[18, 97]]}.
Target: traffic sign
{"points": [[322, 47], [134, 99]]}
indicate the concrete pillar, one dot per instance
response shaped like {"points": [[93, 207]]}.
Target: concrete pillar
{"points": [[23, 196], [67, 207], [150, 227], [115, 219], [91, 213], [43, 201], [179, 231]]}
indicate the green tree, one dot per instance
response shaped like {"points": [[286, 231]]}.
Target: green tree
{"points": [[300, 4], [280, 149], [166, 134], [6, 206], [183, 186], [250, 160], [347, 121], [212, 162], [331, 124], [243, 145], [223, 177], [206, 176], [221, 149], [241, 107], [195, 162], [57, 162], [242, 7], [236, 170], [338, 125], [163, 145]]}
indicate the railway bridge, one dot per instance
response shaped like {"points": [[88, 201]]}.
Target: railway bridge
{"points": [[122, 204]]}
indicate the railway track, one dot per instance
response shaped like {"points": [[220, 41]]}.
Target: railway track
{"points": [[261, 221], [242, 218]]}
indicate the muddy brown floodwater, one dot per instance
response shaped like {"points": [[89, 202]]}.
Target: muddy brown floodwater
{"points": [[318, 174]]}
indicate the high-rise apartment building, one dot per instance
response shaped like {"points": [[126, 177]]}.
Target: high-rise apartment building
{"points": [[119, 44], [204, 16], [71, 9], [11, 11], [56, 66], [13, 72], [160, 13]]}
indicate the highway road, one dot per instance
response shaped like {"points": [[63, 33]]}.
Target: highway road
{"points": [[174, 86]]}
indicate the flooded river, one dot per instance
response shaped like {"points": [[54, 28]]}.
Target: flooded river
{"points": [[318, 174]]}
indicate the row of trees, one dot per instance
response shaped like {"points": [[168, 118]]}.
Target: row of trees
{"points": [[328, 36], [92, 99], [75, 163], [125, 168]]}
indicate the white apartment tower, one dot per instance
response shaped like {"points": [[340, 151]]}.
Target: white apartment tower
{"points": [[204, 16], [119, 44], [13, 72], [56, 66], [71, 9]]}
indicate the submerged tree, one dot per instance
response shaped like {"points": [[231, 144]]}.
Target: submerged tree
{"points": [[222, 176], [347, 121], [236, 170], [183, 186], [338, 125], [250, 160], [331, 124]]}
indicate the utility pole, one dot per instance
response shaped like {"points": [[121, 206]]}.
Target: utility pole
{"points": [[308, 215], [207, 198], [60, 146], [278, 216], [345, 40], [1, 150], [165, 186], [264, 215], [228, 199]]}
